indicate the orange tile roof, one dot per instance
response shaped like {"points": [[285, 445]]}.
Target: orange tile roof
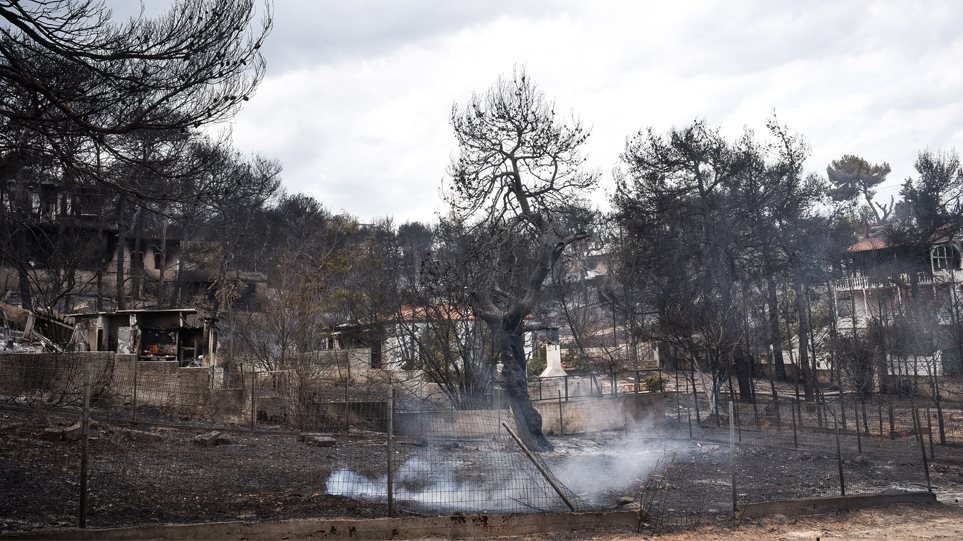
{"points": [[872, 243]]}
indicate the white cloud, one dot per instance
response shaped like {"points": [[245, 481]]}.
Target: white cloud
{"points": [[357, 97]]}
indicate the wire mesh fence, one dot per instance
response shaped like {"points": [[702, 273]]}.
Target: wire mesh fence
{"points": [[330, 436]]}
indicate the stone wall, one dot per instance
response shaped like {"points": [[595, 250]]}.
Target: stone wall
{"points": [[162, 384], [53, 378], [57, 379]]}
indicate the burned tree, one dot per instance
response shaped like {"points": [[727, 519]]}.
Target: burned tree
{"points": [[90, 75], [690, 178], [77, 86], [73, 76], [517, 172], [852, 176]]}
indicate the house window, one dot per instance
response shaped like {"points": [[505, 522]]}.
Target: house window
{"points": [[941, 257], [158, 260]]}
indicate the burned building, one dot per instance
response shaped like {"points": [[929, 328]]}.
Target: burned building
{"points": [[178, 334]]}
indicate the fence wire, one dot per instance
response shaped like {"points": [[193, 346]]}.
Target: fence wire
{"points": [[331, 437]]}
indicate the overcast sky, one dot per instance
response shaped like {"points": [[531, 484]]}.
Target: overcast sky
{"points": [[358, 93]]}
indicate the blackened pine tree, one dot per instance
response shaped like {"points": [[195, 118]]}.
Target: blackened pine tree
{"points": [[89, 74], [688, 179], [929, 222], [852, 176], [517, 177]]}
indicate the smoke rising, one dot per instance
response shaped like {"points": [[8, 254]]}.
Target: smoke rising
{"points": [[599, 468], [436, 486]]}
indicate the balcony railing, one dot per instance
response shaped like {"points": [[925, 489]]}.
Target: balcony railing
{"points": [[903, 279]]}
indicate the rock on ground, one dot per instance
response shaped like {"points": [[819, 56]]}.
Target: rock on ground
{"points": [[211, 438]]}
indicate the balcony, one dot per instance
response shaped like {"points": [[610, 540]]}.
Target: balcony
{"points": [[903, 279]]}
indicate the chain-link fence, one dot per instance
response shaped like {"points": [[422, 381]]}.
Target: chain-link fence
{"points": [[330, 436]]}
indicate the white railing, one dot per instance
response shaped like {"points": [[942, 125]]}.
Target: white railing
{"points": [[922, 278]]}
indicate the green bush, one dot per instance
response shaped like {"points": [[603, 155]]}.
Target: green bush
{"points": [[538, 362], [654, 384]]}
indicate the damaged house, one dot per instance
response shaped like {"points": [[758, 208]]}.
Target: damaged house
{"points": [[403, 342], [178, 334], [881, 277], [73, 251]]}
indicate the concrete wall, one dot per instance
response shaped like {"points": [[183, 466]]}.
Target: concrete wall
{"points": [[594, 414], [644, 407], [452, 424], [582, 415], [163, 386], [334, 363]]}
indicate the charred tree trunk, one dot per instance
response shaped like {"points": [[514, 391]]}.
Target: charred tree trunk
{"points": [[511, 353], [23, 277], [886, 385], [775, 337], [137, 257], [21, 220], [803, 335], [119, 255], [177, 290], [835, 373], [162, 271], [506, 328]]}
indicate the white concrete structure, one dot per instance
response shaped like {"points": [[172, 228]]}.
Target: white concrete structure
{"points": [[553, 361]]}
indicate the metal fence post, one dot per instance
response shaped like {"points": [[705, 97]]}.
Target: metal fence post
{"points": [[695, 402], [390, 477], [85, 432], [879, 408], [497, 404], [133, 414], [347, 383], [919, 437], [842, 409], [839, 454], [795, 438], [859, 437], [732, 455], [561, 424], [799, 409], [253, 398], [688, 413], [819, 413], [892, 419], [755, 414], [775, 403]]}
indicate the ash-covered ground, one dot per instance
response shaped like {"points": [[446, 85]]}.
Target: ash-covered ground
{"points": [[150, 474]]}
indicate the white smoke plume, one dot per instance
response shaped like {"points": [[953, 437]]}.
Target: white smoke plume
{"points": [[439, 488]]}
